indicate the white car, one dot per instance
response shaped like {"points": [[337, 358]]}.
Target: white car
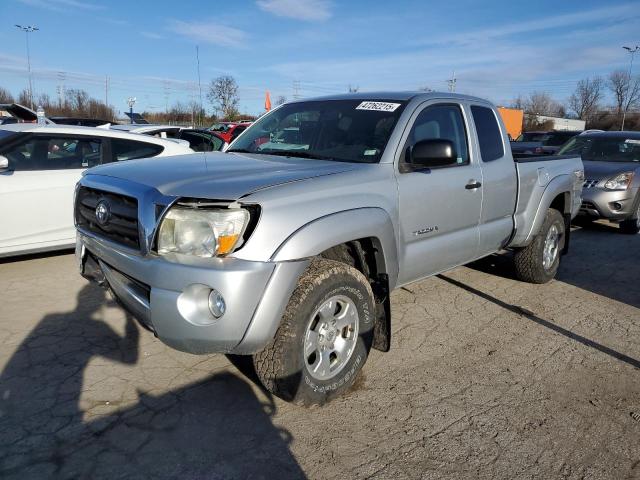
{"points": [[39, 167]]}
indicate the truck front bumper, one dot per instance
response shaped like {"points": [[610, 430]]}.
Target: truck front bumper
{"points": [[171, 297]]}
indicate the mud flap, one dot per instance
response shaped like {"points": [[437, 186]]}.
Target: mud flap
{"points": [[382, 327]]}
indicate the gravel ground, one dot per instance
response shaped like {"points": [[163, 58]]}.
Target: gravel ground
{"points": [[487, 378]]}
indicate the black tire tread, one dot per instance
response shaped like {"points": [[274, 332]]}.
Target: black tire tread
{"points": [[527, 262], [269, 363]]}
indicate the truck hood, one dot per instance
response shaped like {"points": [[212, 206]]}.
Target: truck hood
{"points": [[601, 170], [217, 175]]}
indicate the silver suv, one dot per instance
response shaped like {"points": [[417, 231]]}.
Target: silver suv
{"points": [[612, 176]]}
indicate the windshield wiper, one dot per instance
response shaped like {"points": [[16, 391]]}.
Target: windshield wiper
{"points": [[297, 153], [241, 150]]}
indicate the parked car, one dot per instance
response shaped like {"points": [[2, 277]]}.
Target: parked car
{"points": [[200, 140], [81, 122], [287, 246], [612, 176], [229, 131], [39, 167], [536, 143], [21, 113]]}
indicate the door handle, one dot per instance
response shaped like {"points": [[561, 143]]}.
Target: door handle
{"points": [[472, 185]]}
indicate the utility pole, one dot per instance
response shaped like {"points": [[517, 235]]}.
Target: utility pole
{"points": [[296, 89], [199, 86], [106, 90], [452, 82], [131, 101], [61, 89], [27, 29], [632, 51]]}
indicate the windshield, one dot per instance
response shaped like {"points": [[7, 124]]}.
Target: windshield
{"points": [[219, 127], [603, 149], [533, 137], [341, 130]]}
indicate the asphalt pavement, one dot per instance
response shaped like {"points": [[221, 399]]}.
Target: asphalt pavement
{"points": [[487, 377]]}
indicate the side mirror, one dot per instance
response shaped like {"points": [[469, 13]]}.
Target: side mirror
{"points": [[4, 164], [433, 153]]}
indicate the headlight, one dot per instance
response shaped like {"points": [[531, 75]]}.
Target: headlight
{"points": [[619, 182], [204, 233]]}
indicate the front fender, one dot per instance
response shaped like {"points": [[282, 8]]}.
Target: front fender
{"points": [[323, 233], [528, 224]]}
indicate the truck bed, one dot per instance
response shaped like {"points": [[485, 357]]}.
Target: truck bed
{"points": [[535, 173]]}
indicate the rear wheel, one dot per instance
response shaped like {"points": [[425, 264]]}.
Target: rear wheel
{"points": [[324, 337], [539, 261], [632, 225]]}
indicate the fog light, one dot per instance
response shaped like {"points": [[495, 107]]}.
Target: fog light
{"points": [[216, 304], [617, 206]]}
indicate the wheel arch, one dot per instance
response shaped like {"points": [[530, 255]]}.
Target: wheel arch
{"points": [[556, 195]]}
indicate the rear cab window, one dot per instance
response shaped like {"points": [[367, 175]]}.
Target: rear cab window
{"points": [[488, 131]]}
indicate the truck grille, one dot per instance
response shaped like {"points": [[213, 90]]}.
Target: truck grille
{"points": [[119, 225], [590, 183]]}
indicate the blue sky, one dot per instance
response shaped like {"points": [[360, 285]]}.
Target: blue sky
{"points": [[498, 49]]}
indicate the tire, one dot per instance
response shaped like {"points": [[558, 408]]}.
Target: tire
{"points": [[530, 263], [631, 226], [328, 290]]}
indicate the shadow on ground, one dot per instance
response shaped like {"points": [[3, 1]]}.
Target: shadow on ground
{"points": [[613, 270], [214, 429]]}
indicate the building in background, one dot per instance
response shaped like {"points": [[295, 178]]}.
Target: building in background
{"points": [[512, 119]]}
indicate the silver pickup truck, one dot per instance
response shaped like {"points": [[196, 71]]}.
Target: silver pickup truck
{"points": [[287, 246]]}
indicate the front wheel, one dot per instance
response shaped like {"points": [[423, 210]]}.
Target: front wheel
{"points": [[324, 337], [539, 261], [631, 225]]}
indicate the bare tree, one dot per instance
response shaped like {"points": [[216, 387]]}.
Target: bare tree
{"points": [[541, 103], [585, 100], [625, 89], [353, 88], [223, 95], [5, 96], [518, 103], [281, 99], [24, 98]]}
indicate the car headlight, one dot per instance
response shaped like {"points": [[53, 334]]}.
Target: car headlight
{"points": [[619, 182], [203, 233]]}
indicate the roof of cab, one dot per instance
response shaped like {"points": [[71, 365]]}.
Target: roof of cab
{"points": [[399, 96]]}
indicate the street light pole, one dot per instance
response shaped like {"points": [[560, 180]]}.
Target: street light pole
{"points": [[632, 51], [27, 29], [131, 101]]}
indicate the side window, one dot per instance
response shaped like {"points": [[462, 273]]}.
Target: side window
{"points": [[122, 149], [442, 122], [202, 142], [489, 136], [237, 131], [46, 152]]}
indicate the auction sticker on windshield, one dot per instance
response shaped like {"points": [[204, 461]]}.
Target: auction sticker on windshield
{"points": [[378, 106]]}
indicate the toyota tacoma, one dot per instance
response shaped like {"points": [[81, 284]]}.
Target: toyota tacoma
{"points": [[287, 246]]}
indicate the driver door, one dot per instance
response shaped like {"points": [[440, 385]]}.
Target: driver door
{"points": [[439, 212]]}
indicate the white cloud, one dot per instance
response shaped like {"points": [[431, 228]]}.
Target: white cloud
{"points": [[63, 5], [309, 10], [210, 32], [151, 35]]}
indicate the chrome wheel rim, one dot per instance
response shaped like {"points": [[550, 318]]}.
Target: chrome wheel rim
{"points": [[330, 337], [550, 250]]}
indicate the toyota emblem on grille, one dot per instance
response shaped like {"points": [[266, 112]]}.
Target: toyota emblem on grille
{"points": [[103, 212]]}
